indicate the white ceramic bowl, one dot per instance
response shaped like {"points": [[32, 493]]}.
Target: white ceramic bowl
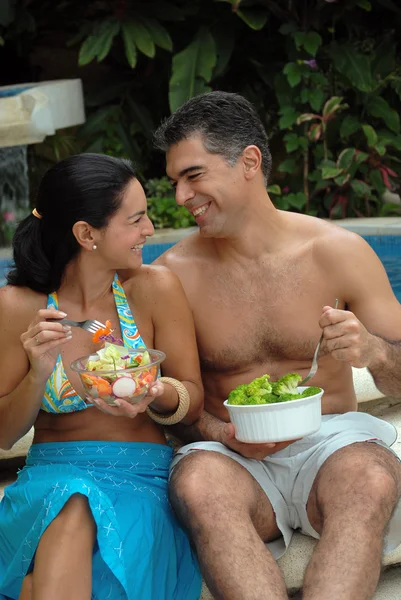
{"points": [[278, 422]]}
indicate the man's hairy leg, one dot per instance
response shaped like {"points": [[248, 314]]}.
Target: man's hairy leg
{"points": [[228, 517], [350, 504]]}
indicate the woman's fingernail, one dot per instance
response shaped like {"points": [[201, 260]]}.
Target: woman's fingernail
{"points": [[63, 314], [66, 328], [117, 403]]}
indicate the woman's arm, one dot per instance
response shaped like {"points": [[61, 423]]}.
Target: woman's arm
{"points": [[25, 365], [174, 334]]}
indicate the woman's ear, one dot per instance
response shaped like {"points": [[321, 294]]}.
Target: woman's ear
{"points": [[252, 161], [84, 235]]}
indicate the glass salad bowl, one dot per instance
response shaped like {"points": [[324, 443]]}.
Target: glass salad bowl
{"points": [[118, 373]]}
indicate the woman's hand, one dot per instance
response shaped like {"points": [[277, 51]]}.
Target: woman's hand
{"points": [[42, 340], [126, 409]]}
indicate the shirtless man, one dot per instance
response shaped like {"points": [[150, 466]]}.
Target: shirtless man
{"points": [[261, 284]]}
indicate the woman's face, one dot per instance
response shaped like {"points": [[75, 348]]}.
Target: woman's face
{"points": [[122, 240]]}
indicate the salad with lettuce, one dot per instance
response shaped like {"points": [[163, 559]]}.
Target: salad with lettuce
{"points": [[116, 358], [108, 374], [263, 391]]}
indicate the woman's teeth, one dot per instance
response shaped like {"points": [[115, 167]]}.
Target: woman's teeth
{"points": [[138, 247]]}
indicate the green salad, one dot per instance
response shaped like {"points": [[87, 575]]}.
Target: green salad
{"points": [[262, 391], [117, 358]]}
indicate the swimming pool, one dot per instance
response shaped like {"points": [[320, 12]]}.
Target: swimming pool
{"points": [[387, 247]]}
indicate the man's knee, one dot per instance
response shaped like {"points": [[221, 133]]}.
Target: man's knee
{"points": [[363, 477], [200, 479]]}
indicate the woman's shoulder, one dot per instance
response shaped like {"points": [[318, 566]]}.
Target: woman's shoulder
{"points": [[152, 282], [20, 303]]}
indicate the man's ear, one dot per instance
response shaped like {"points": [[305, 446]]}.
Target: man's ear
{"points": [[84, 235], [252, 161]]}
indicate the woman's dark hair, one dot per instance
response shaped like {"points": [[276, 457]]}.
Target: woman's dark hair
{"points": [[84, 187]]}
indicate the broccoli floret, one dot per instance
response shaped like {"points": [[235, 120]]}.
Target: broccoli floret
{"points": [[311, 391], [259, 386], [255, 400], [287, 384], [287, 397], [238, 395]]}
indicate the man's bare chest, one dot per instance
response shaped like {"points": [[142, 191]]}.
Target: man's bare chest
{"points": [[259, 320]]}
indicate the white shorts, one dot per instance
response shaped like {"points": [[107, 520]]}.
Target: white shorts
{"points": [[288, 475]]}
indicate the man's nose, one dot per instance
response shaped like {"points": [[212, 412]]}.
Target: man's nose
{"points": [[183, 192]]}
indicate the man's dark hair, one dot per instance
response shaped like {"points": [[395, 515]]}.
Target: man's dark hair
{"points": [[227, 123]]}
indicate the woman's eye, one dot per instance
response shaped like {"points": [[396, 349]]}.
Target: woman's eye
{"points": [[193, 176]]}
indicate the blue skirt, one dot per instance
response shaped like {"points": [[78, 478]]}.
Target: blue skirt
{"points": [[141, 553]]}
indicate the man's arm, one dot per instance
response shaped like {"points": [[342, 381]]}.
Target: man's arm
{"points": [[210, 428], [368, 334]]}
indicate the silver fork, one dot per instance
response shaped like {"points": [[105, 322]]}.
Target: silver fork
{"points": [[89, 325], [313, 369]]}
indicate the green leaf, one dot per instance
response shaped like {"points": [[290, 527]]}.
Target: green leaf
{"points": [[378, 107], [281, 203], [312, 42], [192, 69], [345, 158], [332, 106], [365, 4], [361, 157], [331, 172], [113, 27], [356, 67], [371, 135], [297, 200], [342, 179], [293, 142], [316, 97], [315, 132], [361, 188], [381, 149], [293, 72], [98, 43], [255, 18], [288, 118], [287, 28], [224, 38], [143, 39], [307, 117], [129, 43], [288, 166], [274, 189], [349, 126], [158, 33], [7, 12], [377, 182]]}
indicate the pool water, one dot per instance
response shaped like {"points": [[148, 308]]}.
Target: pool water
{"points": [[387, 247]]}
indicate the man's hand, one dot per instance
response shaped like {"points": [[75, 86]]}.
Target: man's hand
{"points": [[346, 339], [256, 451]]}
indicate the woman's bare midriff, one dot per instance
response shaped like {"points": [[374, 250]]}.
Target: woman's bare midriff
{"points": [[92, 424]]}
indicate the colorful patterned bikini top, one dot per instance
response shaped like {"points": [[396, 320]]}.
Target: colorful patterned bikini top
{"points": [[60, 397]]}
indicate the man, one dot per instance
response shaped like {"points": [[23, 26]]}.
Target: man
{"points": [[261, 284]]}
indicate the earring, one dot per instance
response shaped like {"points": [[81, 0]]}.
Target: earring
{"points": [[94, 247]]}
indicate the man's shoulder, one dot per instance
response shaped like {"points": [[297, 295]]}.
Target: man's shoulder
{"points": [[324, 233], [182, 253]]}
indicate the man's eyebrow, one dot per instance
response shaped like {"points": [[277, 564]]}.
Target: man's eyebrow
{"points": [[187, 170], [138, 212]]}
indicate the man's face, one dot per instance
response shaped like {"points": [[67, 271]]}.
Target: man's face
{"points": [[206, 185]]}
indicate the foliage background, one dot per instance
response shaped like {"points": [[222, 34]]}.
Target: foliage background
{"points": [[324, 75]]}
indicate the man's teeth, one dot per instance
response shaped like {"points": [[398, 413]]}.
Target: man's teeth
{"points": [[138, 247], [201, 210]]}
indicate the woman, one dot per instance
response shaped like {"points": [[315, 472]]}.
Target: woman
{"points": [[88, 516]]}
